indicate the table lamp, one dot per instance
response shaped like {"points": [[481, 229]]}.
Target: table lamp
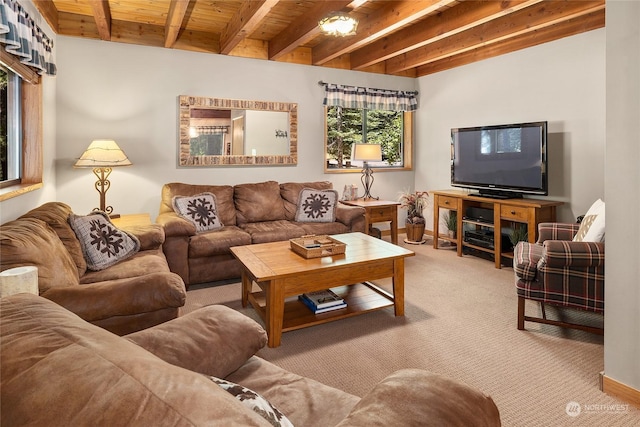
{"points": [[367, 153], [102, 155]]}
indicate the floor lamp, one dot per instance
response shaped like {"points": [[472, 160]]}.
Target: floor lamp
{"points": [[367, 153], [102, 155]]}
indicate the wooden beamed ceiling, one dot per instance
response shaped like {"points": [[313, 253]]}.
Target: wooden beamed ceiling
{"points": [[405, 37]]}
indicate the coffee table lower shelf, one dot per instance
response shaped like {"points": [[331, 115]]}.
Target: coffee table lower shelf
{"points": [[360, 298]]}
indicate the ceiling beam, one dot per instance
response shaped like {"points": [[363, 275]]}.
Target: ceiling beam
{"points": [[244, 22], [177, 10], [49, 12], [389, 18], [572, 27], [305, 28], [102, 16], [454, 20], [534, 18]]}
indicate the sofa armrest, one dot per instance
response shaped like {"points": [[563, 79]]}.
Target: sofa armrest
{"points": [[213, 340], [121, 297], [175, 225], [413, 397], [556, 231], [348, 214], [561, 253], [151, 236]]}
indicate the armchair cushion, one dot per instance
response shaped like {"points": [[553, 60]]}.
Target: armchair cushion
{"points": [[102, 243], [200, 210]]}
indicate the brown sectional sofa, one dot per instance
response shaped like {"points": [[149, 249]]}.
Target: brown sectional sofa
{"points": [[79, 374], [133, 294], [251, 213]]}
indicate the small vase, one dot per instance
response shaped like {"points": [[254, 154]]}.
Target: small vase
{"points": [[415, 232]]}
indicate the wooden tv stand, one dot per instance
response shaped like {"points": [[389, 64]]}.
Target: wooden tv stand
{"points": [[506, 213]]}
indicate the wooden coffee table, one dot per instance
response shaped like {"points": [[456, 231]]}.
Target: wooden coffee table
{"points": [[282, 275]]}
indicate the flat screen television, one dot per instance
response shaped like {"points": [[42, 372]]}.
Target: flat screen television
{"points": [[501, 161]]}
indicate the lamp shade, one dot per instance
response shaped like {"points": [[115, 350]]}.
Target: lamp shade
{"points": [[367, 152], [103, 153]]}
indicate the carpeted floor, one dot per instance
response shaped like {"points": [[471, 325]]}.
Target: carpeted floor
{"points": [[460, 321]]}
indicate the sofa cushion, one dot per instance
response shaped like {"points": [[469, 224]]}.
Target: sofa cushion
{"points": [[200, 210], [77, 373], [56, 215], [319, 228], [255, 402], [103, 244], [217, 242], [290, 192], [273, 231], [592, 227], [137, 265], [30, 241], [258, 202], [224, 198], [317, 205]]}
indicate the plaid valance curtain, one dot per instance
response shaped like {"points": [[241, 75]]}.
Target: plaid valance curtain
{"points": [[24, 39], [368, 98]]}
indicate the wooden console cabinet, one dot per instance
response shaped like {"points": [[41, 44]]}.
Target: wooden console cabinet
{"points": [[507, 214]]}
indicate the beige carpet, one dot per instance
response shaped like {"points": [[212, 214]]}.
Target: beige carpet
{"points": [[460, 321]]}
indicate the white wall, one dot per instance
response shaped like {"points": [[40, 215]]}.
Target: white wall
{"points": [[129, 93], [622, 292], [562, 82]]}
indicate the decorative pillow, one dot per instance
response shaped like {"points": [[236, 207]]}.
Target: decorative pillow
{"points": [[103, 245], [200, 210], [255, 402], [317, 205], [592, 226]]}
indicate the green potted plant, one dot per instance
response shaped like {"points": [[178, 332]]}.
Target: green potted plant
{"points": [[518, 234], [415, 203], [451, 221]]}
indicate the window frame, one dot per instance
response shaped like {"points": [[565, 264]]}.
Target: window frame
{"points": [[408, 137], [32, 149]]}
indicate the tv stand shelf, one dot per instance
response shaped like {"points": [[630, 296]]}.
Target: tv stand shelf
{"points": [[506, 213]]}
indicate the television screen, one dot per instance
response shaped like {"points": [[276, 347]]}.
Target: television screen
{"points": [[500, 160]]}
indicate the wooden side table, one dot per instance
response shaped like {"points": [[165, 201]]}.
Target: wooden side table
{"points": [[378, 211], [132, 220]]}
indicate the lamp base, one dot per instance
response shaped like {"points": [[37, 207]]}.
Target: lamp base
{"points": [[367, 181]]}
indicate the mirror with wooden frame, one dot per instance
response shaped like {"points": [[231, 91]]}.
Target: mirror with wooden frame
{"points": [[232, 132]]}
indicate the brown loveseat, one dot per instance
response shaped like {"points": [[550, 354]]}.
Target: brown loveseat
{"points": [[251, 213], [78, 374], [131, 295]]}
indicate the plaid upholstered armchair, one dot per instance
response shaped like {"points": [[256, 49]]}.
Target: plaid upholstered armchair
{"points": [[557, 270]]}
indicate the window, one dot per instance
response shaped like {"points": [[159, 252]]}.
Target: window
{"points": [[10, 128], [27, 128], [347, 126]]}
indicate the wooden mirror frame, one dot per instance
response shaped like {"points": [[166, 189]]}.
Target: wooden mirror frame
{"points": [[186, 103]]}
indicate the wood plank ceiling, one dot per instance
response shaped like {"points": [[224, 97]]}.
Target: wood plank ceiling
{"points": [[406, 37]]}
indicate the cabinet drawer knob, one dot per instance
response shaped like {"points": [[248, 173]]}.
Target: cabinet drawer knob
{"points": [[446, 202], [513, 212]]}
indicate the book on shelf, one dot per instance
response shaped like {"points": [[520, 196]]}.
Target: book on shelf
{"points": [[316, 310], [324, 298]]}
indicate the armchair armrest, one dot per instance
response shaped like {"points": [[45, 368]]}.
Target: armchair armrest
{"points": [[562, 253], [556, 231], [413, 397], [213, 340], [175, 225], [347, 214], [151, 236], [121, 297]]}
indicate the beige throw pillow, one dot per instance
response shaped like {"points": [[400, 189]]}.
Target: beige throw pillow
{"points": [[200, 210], [317, 205], [592, 227]]}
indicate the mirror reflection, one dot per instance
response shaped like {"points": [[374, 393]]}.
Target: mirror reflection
{"points": [[216, 131]]}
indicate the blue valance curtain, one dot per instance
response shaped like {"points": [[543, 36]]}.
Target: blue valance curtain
{"points": [[369, 98], [24, 39]]}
